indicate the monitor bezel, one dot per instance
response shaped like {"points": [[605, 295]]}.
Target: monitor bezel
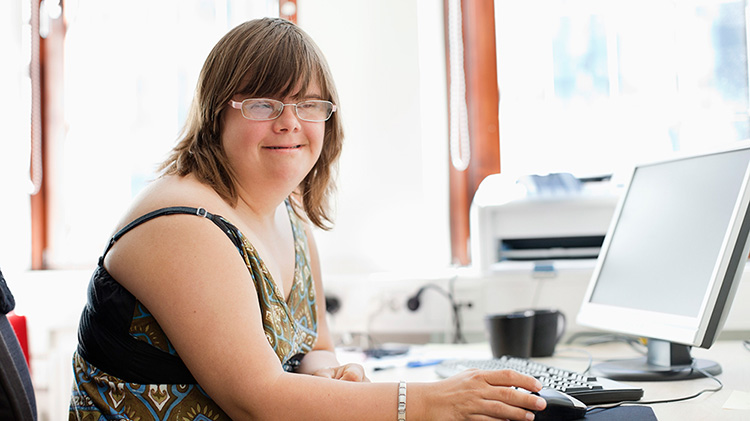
{"points": [[703, 329]]}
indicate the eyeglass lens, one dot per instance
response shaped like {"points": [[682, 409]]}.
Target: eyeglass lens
{"points": [[269, 109]]}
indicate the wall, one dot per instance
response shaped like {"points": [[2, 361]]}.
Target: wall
{"points": [[388, 60], [377, 305]]}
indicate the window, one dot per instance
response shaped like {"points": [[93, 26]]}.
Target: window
{"points": [[130, 71], [15, 183], [587, 86], [591, 86]]}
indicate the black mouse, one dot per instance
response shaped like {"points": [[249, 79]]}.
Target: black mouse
{"points": [[560, 407]]}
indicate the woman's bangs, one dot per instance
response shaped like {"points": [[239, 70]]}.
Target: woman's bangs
{"points": [[288, 74]]}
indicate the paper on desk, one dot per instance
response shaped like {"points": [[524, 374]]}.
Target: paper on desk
{"points": [[738, 400]]}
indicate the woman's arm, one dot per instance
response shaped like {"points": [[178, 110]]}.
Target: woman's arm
{"points": [[191, 278]]}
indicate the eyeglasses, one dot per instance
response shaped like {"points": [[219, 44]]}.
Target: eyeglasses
{"points": [[262, 109]]}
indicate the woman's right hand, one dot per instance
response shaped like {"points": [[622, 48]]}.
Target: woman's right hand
{"points": [[483, 395]]}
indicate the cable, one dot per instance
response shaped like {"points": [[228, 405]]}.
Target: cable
{"points": [[459, 335], [589, 357], [603, 408], [537, 293], [460, 146], [413, 304], [36, 162], [596, 338]]}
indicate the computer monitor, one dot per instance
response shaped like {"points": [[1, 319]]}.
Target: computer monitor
{"points": [[671, 262]]}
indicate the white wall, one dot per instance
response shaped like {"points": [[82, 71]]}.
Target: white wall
{"points": [[388, 60]]}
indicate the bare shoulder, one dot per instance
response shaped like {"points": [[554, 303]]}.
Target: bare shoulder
{"points": [[171, 191], [169, 245]]}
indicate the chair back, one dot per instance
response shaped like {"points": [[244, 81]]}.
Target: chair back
{"points": [[17, 401]]}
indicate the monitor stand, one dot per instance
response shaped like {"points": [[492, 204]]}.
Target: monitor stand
{"points": [[665, 361]]}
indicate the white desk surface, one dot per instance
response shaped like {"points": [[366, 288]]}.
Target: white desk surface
{"points": [[731, 403]]}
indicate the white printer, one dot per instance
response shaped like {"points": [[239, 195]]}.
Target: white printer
{"points": [[539, 217]]}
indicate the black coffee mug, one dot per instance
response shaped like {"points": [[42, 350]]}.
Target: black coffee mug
{"points": [[511, 333], [549, 327]]}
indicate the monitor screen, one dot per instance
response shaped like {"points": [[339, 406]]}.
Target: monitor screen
{"points": [[675, 251]]}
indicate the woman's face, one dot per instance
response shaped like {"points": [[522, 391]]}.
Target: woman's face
{"points": [[277, 153]]}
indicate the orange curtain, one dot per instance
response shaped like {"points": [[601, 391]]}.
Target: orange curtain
{"points": [[482, 101]]}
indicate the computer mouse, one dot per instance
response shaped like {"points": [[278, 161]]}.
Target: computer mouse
{"points": [[560, 406]]}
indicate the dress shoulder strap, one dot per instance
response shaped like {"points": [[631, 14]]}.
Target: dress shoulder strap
{"points": [[229, 229]]}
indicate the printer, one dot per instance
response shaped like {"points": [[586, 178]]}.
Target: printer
{"points": [[539, 218]]}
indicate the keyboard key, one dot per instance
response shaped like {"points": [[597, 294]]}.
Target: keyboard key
{"points": [[588, 389]]}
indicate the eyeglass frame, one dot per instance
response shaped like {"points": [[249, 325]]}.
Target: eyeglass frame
{"points": [[239, 106]]}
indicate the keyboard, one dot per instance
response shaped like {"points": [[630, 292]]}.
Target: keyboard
{"points": [[587, 389]]}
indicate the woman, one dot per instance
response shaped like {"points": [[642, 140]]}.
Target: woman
{"points": [[240, 334]]}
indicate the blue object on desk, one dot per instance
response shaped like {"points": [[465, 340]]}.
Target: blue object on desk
{"points": [[424, 363]]}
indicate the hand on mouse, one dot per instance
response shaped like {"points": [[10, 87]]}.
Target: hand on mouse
{"points": [[478, 394]]}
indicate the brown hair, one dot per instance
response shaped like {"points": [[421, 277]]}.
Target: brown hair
{"points": [[266, 57]]}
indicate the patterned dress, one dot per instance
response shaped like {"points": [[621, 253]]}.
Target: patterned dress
{"points": [[125, 367]]}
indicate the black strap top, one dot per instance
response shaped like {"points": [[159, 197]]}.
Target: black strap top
{"points": [[228, 228], [120, 337], [104, 338]]}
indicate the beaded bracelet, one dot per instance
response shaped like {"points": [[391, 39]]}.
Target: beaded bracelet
{"points": [[401, 400]]}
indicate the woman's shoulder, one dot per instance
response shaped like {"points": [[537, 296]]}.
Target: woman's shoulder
{"points": [[138, 238], [172, 190]]}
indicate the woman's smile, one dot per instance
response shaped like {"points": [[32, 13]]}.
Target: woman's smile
{"points": [[283, 148]]}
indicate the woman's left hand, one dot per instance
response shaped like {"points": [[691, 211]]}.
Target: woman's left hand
{"points": [[346, 372]]}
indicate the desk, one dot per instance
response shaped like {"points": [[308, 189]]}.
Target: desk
{"points": [[732, 355]]}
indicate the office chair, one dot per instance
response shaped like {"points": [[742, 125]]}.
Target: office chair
{"points": [[17, 401]]}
